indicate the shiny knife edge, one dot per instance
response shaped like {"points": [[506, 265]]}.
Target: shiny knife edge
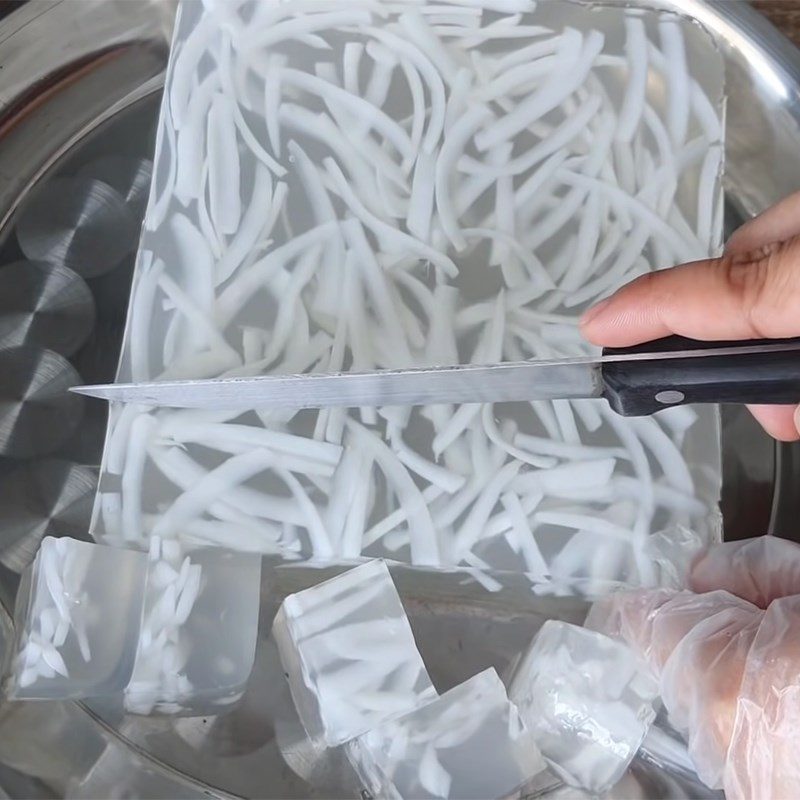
{"points": [[575, 378]]}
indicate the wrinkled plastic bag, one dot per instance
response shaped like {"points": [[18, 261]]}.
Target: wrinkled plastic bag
{"points": [[672, 552], [729, 670]]}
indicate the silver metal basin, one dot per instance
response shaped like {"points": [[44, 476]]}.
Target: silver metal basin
{"points": [[81, 79]]}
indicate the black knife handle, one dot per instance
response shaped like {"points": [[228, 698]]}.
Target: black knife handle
{"points": [[639, 388]]}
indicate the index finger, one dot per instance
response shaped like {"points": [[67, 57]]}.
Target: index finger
{"points": [[753, 295], [779, 222]]}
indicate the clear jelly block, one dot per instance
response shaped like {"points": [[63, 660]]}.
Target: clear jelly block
{"points": [[199, 629], [313, 212], [468, 743], [77, 619], [349, 653], [588, 701]]}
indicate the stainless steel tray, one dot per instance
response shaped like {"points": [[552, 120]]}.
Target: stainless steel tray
{"points": [[81, 80]]}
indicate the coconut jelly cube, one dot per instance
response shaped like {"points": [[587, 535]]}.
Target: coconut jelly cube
{"points": [[588, 701], [77, 619], [468, 743], [349, 653], [199, 629]]}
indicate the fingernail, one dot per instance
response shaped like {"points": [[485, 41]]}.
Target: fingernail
{"points": [[592, 313]]}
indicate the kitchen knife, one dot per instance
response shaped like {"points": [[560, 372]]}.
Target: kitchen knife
{"points": [[636, 381]]}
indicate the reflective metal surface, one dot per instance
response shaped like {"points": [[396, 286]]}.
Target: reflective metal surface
{"points": [[540, 379], [68, 69], [129, 177], [46, 305], [464, 383], [37, 413], [46, 497], [79, 223]]}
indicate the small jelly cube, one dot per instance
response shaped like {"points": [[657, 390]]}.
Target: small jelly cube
{"points": [[468, 743], [588, 701], [77, 615], [350, 655], [199, 629]]}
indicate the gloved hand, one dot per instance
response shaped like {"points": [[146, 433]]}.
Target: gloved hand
{"points": [[727, 654]]}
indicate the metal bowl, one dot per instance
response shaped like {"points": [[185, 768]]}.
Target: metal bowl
{"points": [[78, 97]]}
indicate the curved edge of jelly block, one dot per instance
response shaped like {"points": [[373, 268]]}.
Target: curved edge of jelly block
{"points": [[346, 639], [78, 604], [436, 749], [577, 688], [204, 603]]}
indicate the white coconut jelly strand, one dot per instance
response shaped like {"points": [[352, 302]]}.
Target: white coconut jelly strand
{"points": [[174, 671], [64, 648], [406, 184], [223, 161]]}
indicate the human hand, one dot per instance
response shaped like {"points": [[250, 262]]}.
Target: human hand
{"points": [[751, 292], [727, 654]]}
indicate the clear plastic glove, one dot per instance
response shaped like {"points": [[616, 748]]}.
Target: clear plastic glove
{"points": [[727, 655], [759, 570]]}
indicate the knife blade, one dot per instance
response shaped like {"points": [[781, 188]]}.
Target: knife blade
{"points": [[638, 380]]}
